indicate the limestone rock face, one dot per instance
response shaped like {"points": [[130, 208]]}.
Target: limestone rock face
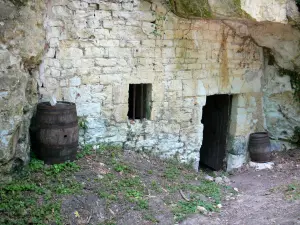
{"points": [[281, 109], [266, 10], [281, 39], [21, 47], [90, 52], [271, 24]]}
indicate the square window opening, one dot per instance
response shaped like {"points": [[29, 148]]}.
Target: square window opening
{"points": [[139, 101]]}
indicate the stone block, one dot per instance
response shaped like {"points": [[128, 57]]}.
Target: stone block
{"points": [[110, 6], [50, 53], [144, 6], [189, 88], [127, 6], [168, 52], [120, 113], [117, 52], [105, 62], [175, 85], [164, 43], [108, 24], [148, 43], [235, 161], [89, 109], [116, 69], [69, 53], [120, 94], [201, 91], [75, 81], [101, 33], [184, 75], [54, 72], [109, 43], [94, 52], [200, 74], [61, 11], [101, 15], [237, 145]]}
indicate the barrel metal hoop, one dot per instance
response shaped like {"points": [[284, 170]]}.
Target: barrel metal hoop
{"points": [[58, 126], [57, 146]]}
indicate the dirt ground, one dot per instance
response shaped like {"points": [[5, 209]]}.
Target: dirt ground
{"points": [[261, 197], [111, 187]]}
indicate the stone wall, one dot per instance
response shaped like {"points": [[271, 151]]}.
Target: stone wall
{"points": [[92, 50], [22, 41], [280, 107], [97, 50]]}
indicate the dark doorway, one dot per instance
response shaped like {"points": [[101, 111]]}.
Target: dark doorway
{"points": [[215, 118]]}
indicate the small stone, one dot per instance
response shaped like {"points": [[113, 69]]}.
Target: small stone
{"points": [[218, 180], [201, 209], [219, 206], [209, 178], [261, 166], [226, 179]]}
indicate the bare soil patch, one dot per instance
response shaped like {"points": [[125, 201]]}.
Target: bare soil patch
{"points": [[110, 186]]}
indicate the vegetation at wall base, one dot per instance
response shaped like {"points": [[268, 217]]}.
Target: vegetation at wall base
{"points": [[295, 81], [37, 193]]}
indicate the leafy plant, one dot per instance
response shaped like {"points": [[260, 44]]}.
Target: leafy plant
{"points": [[292, 191], [296, 136], [36, 165], [295, 81], [83, 125], [63, 167], [171, 172], [86, 150]]}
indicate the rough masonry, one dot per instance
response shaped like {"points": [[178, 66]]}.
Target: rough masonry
{"points": [[90, 52], [97, 50]]}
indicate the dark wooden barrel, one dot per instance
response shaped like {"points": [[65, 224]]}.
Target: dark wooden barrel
{"points": [[260, 147], [56, 132]]}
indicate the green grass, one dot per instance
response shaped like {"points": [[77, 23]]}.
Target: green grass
{"points": [[33, 196], [128, 188], [292, 191], [207, 194]]}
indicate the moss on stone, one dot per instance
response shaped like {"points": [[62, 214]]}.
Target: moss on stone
{"points": [[19, 3], [191, 8], [202, 9], [33, 62], [238, 9], [295, 81]]}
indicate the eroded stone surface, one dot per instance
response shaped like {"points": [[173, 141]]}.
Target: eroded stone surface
{"points": [[94, 61], [95, 50], [21, 46]]}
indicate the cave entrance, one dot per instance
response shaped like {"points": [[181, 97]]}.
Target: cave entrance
{"points": [[216, 116]]}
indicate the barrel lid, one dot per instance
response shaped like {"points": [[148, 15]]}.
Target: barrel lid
{"points": [[259, 134], [60, 105]]}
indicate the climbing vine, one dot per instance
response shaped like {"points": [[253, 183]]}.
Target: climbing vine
{"points": [[191, 8], [296, 137], [158, 25], [295, 81], [82, 124], [19, 3]]}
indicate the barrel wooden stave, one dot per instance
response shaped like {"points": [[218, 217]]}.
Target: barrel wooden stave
{"points": [[259, 147], [57, 132]]}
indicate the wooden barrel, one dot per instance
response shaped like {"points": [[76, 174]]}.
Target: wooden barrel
{"points": [[56, 132], [260, 147]]}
